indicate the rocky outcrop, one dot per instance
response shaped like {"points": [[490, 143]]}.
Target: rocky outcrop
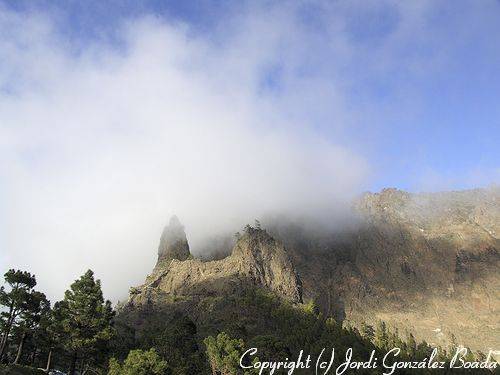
{"points": [[173, 243], [257, 260], [264, 260]]}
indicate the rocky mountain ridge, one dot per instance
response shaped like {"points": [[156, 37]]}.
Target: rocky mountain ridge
{"points": [[428, 263], [257, 259]]}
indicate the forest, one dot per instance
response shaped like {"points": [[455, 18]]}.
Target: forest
{"points": [[82, 334]]}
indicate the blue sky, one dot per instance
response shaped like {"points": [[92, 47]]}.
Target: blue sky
{"points": [[115, 114]]}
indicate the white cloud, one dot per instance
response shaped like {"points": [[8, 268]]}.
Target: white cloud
{"points": [[99, 148]]}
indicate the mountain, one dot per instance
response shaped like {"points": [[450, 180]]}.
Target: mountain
{"points": [[426, 263]]}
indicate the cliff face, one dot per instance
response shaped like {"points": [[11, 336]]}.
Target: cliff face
{"points": [[425, 262], [429, 263], [257, 260]]}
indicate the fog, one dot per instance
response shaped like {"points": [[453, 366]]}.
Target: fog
{"points": [[100, 148], [100, 143]]}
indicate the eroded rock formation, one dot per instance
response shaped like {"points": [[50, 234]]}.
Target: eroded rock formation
{"points": [[257, 260]]}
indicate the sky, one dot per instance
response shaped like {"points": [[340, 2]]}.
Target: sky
{"points": [[115, 115]]}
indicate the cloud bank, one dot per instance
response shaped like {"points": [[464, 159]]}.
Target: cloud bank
{"points": [[100, 147]]}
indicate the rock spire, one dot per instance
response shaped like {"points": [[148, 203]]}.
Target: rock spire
{"points": [[173, 242]]}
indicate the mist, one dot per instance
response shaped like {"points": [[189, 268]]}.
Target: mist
{"points": [[101, 142], [103, 146]]}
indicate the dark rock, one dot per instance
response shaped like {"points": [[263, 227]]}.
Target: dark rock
{"points": [[173, 243]]}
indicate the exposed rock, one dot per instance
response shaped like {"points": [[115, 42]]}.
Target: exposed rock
{"points": [[256, 260], [173, 243]]}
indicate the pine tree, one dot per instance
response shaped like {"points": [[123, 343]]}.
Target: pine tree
{"points": [[224, 354], [411, 345], [271, 347], [177, 345], [36, 306], [381, 335], [139, 362], [423, 350], [51, 333], [257, 224], [480, 356], [311, 307], [86, 321], [453, 347], [367, 331], [15, 302]]}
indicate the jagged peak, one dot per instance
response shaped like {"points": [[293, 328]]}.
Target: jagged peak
{"points": [[268, 262], [173, 242]]}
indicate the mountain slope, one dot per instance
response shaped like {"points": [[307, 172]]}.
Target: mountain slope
{"points": [[424, 262], [428, 263]]}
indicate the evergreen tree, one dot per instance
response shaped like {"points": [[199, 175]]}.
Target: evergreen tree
{"points": [[381, 335], [367, 331], [177, 345], [453, 347], [36, 306], [14, 301], [139, 362], [311, 307], [394, 341], [423, 350], [224, 354], [270, 347], [86, 321], [50, 333]]}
